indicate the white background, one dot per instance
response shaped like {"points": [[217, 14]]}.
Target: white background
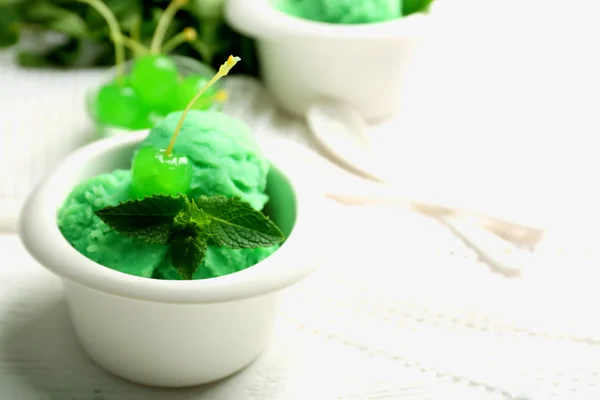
{"points": [[502, 107]]}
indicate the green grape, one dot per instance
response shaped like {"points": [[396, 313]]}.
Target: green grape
{"points": [[189, 87], [153, 172], [155, 78], [119, 105]]}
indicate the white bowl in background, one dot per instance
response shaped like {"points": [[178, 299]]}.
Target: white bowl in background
{"points": [[302, 60], [160, 332]]}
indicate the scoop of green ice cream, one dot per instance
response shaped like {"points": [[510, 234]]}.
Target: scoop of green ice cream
{"points": [[96, 240], [343, 11], [226, 159]]}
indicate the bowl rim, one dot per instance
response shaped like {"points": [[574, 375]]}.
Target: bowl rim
{"points": [[260, 19], [40, 235]]}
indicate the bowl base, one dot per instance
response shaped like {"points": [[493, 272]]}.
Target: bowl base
{"points": [[170, 384]]}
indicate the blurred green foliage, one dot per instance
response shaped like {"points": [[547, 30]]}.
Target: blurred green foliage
{"points": [[82, 29], [415, 6]]}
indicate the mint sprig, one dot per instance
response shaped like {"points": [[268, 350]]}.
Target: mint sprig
{"points": [[149, 220], [188, 226], [186, 254]]}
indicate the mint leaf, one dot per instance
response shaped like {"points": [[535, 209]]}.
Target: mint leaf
{"points": [[189, 226], [195, 215], [9, 24], [187, 252], [198, 216], [150, 219], [415, 6], [188, 223], [188, 240], [235, 224]]}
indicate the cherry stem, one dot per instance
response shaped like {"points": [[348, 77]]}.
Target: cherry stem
{"points": [[136, 30], [220, 96], [163, 24], [189, 34], [223, 70], [116, 35], [134, 45]]}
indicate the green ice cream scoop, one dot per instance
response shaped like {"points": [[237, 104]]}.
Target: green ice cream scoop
{"points": [[224, 156], [205, 153], [343, 11], [96, 240]]}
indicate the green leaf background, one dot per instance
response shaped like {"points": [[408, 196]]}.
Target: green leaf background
{"points": [[414, 6], [81, 25]]}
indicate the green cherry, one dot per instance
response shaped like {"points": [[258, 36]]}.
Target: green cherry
{"points": [[154, 172], [155, 78], [157, 171], [189, 87], [119, 105]]}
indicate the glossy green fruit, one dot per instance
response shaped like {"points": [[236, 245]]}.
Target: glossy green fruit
{"points": [[156, 79], [120, 106], [189, 87], [153, 172]]}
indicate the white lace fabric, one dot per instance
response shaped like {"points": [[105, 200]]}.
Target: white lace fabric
{"points": [[399, 301]]}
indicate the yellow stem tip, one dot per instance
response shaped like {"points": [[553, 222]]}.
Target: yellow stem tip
{"points": [[190, 34]]}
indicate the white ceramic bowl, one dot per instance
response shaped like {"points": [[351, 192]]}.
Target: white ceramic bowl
{"points": [[302, 60], [168, 333]]}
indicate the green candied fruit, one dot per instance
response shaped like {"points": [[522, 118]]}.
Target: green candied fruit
{"points": [[155, 79], [226, 159], [119, 105], [189, 87], [154, 172]]}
